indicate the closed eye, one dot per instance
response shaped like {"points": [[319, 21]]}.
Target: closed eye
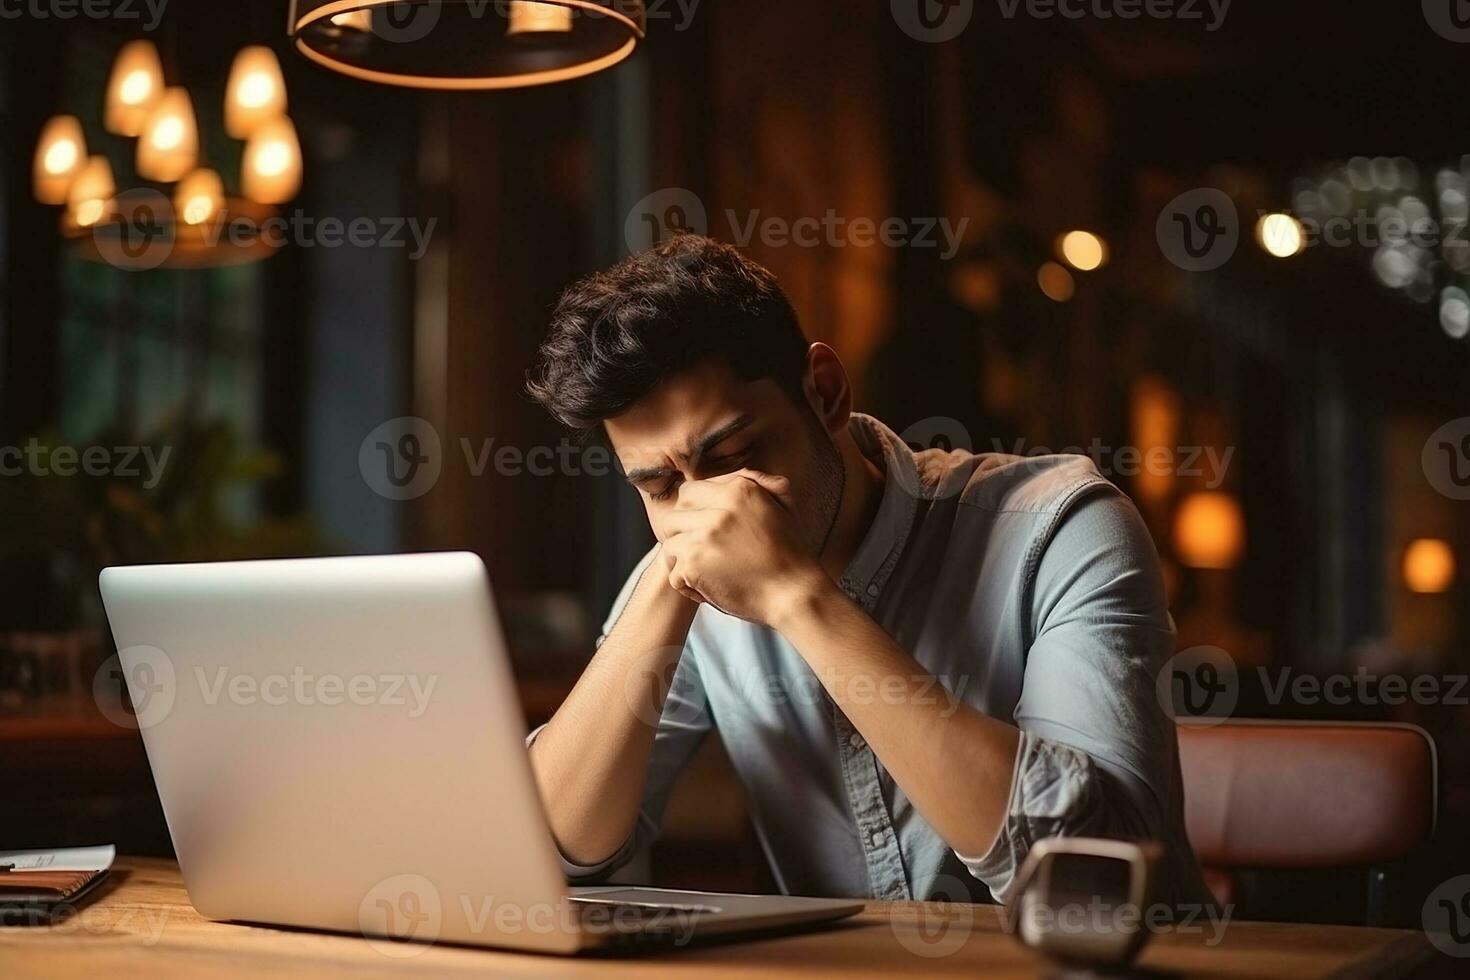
{"points": [[727, 463], [666, 493]]}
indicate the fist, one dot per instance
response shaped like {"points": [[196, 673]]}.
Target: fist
{"points": [[732, 541]]}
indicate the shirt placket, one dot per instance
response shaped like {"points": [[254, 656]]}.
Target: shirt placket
{"points": [[886, 874]]}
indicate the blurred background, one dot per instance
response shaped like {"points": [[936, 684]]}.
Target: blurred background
{"points": [[1221, 251]]}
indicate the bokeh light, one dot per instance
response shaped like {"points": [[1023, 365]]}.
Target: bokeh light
{"points": [[1280, 235], [1082, 250], [1429, 566], [1056, 282]]}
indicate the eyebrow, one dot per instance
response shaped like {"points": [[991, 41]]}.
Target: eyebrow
{"points": [[701, 446]]}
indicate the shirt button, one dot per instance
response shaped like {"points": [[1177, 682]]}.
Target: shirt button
{"points": [[856, 741], [872, 590], [878, 838]]}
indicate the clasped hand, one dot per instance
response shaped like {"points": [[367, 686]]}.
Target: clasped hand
{"points": [[732, 541]]}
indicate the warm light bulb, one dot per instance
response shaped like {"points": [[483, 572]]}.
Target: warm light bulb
{"points": [[199, 196], [271, 169], [170, 138], [60, 154], [1209, 530], [256, 90], [62, 157], [90, 196], [134, 88], [1279, 234], [353, 20], [530, 17], [255, 93], [167, 134], [273, 159], [1082, 250], [1429, 566]]}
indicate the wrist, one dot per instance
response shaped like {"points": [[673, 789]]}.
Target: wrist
{"points": [[799, 597]]}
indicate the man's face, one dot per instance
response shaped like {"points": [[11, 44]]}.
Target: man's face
{"points": [[706, 422]]}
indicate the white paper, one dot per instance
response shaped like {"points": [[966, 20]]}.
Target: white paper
{"points": [[98, 858]]}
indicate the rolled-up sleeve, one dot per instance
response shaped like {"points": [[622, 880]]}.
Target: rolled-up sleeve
{"points": [[683, 724], [1097, 755]]}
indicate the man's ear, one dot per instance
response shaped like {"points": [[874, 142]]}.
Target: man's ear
{"points": [[827, 389]]}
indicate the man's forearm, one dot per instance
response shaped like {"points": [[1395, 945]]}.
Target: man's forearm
{"points": [[591, 759], [953, 762]]}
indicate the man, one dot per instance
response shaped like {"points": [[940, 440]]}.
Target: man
{"points": [[920, 664]]}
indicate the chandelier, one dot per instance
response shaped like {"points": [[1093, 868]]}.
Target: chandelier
{"points": [[198, 224], [467, 45]]}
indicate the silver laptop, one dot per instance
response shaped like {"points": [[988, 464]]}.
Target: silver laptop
{"points": [[338, 744]]}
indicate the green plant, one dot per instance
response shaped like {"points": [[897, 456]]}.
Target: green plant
{"points": [[180, 492]]}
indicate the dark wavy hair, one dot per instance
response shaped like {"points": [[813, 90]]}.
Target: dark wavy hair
{"points": [[617, 334]]}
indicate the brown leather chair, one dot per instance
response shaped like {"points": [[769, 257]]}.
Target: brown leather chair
{"points": [[1287, 795]]}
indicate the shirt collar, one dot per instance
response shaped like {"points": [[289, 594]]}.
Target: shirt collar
{"points": [[902, 489]]}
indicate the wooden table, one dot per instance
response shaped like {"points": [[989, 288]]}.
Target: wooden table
{"points": [[144, 927]]}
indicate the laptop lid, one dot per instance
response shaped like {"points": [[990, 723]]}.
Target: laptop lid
{"points": [[338, 744]]}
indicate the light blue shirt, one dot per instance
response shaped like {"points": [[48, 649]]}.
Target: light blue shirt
{"points": [[1030, 589]]}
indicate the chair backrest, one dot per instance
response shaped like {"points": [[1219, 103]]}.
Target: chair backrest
{"points": [[1285, 794]]}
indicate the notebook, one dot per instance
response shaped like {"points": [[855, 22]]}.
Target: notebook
{"points": [[37, 884]]}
